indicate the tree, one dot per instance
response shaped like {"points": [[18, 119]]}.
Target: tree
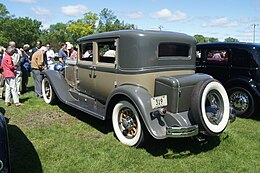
{"points": [[21, 30], [121, 26], [230, 39], [212, 39], [200, 38], [109, 22], [3, 11], [55, 35], [82, 27], [106, 19]]}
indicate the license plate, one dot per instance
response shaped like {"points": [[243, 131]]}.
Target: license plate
{"points": [[159, 101]]}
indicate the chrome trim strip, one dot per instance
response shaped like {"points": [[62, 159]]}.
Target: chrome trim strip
{"points": [[180, 132]]}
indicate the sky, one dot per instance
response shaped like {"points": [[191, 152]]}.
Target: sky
{"points": [[219, 18]]}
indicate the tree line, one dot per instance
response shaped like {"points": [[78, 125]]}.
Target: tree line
{"points": [[24, 30]]}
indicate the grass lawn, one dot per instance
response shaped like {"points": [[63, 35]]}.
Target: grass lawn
{"points": [[60, 139]]}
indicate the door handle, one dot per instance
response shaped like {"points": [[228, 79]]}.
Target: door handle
{"points": [[93, 72]]}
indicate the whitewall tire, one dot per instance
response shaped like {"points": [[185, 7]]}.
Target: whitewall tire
{"points": [[127, 124], [210, 107], [47, 92]]}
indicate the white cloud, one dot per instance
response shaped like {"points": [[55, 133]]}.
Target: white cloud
{"points": [[25, 1], [166, 14], [41, 11], [221, 22], [74, 10], [135, 15]]}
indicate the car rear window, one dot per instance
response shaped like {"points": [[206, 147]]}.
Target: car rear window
{"points": [[173, 50]]}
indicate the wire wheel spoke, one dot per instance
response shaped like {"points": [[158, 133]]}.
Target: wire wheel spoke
{"points": [[127, 122]]}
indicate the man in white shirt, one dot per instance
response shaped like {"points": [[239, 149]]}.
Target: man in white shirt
{"points": [[50, 57]]}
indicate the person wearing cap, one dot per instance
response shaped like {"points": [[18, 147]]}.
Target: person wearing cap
{"points": [[38, 65], [72, 52], [9, 75], [25, 67]]}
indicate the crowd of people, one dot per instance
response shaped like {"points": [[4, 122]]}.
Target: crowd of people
{"points": [[17, 64]]}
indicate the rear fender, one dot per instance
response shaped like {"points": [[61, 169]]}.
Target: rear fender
{"points": [[141, 99], [246, 82]]}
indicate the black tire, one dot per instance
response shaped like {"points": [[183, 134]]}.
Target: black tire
{"points": [[242, 102], [47, 92], [210, 107], [127, 124]]}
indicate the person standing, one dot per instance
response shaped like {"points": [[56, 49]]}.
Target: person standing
{"points": [[25, 67], [9, 75], [73, 54], [50, 56], [2, 81], [38, 65], [37, 47], [62, 54], [16, 60]]}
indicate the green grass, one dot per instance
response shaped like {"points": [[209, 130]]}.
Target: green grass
{"points": [[60, 139]]}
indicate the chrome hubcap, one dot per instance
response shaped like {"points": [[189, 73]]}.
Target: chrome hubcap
{"points": [[214, 107], [127, 122], [240, 101]]}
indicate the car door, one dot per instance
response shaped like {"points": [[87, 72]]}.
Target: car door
{"points": [[105, 69], [243, 63], [215, 61], [86, 67]]}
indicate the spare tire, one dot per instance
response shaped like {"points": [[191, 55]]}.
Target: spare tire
{"points": [[210, 107]]}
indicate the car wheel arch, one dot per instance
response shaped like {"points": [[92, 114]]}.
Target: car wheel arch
{"points": [[245, 85], [140, 98]]}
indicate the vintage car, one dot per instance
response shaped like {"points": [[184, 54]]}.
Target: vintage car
{"points": [[144, 82], [4, 147], [237, 67]]}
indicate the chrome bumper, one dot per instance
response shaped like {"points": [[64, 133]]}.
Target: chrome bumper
{"points": [[180, 132]]}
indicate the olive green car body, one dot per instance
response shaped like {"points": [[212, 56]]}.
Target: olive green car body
{"points": [[138, 73]]}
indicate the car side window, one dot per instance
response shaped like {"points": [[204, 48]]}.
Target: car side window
{"points": [[106, 51], [86, 52], [241, 57], [217, 55]]}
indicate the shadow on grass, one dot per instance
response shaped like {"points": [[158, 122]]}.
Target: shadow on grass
{"points": [[24, 99], [102, 126], [168, 148], [23, 155], [256, 116], [174, 148]]}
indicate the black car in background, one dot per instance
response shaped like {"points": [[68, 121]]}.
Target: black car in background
{"points": [[4, 147], [237, 66]]}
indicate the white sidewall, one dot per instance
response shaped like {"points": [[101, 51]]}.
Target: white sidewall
{"points": [[45, 98], [115, 117], [222, 125]]}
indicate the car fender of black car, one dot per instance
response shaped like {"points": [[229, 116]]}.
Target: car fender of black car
{"points": [[4, 149], [245, 82]]}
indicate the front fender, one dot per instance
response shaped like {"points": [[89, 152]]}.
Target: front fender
{"points": [[4, 147], [59, 84], [141, 99]]}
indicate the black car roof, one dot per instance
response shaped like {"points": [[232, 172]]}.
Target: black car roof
{"points": [[230, 44]]}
